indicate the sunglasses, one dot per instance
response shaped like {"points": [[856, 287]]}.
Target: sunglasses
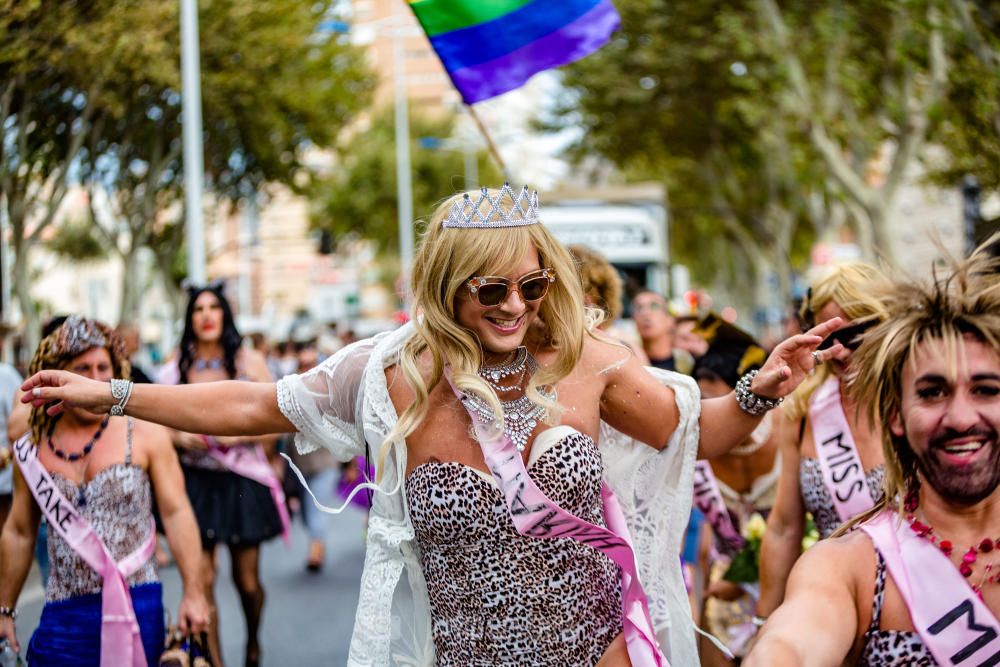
{"points": [[849, 337], [493, 290]]}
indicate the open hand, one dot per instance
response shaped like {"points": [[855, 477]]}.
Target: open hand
{"points": [[791, 362], [62, 389]]}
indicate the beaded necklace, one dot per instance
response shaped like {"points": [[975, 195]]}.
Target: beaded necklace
{"points": [[969, 558], [208, 364], [72, 457]]}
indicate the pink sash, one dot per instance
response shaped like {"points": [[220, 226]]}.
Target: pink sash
{"points": [[838, 457], [251, 463], [534, 515], [708, 499], [954, 624], [121, 643]]}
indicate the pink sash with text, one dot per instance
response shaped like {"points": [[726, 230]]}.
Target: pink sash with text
{"points": [[708, 499], [838, 457], [121, 643], [954, 624], [534, 515]]}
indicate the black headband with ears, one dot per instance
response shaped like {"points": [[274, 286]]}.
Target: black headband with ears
{"points": [[216, 285]]}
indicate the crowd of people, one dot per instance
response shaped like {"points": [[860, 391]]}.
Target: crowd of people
{"points": [[545, 486]]}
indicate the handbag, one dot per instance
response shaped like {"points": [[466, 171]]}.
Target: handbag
{"points": [[185, 650]]}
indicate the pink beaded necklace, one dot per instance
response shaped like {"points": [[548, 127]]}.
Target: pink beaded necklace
{"points": [[985, 546]]}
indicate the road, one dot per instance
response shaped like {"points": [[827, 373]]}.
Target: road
{"points": [[308, 617]]}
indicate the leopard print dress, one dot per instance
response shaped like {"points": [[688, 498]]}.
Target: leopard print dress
{"points": [[500, 598]]}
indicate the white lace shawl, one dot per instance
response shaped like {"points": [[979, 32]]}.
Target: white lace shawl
{"points": [[344, 401]]}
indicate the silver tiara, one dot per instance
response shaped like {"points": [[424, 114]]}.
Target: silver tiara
{"points": [[82, 335], [488, 212]]}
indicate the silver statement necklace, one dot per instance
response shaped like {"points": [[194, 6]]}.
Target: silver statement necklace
{"points": [[520, 415], [495, 375]]}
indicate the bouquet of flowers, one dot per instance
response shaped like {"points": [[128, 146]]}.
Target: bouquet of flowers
{"points": [[745, 566]]}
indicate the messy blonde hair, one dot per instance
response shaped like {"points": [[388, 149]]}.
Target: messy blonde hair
{"points": [[600, 280], [446, 259], [965, 302], [854, 287]]}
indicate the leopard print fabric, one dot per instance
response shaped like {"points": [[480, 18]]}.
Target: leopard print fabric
{"points": [[119, 502], [891, 647], [816, 497], [499, 598]]}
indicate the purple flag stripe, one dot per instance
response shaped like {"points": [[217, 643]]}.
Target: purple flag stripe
{"points": [[571, 42]]}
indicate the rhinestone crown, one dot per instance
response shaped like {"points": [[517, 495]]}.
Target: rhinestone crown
{"points": [[489, 212]]}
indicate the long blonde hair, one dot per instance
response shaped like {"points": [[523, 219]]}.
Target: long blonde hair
{"points": [[967, 301], [854, 287], [445, 260]]}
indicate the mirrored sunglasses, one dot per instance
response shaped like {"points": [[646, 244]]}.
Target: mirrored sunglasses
{"points": [[494, 290]]}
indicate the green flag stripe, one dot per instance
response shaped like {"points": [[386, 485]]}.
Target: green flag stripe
{"points": [[441, 16]]}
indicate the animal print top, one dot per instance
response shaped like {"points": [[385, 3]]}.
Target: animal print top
{"points": [[118, 504], [497, 597], [891, 647], [816, 497]]}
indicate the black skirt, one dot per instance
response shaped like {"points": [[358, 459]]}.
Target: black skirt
{"points": [[230, 508]]}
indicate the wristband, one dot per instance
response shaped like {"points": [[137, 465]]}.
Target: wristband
{"points": [[751, 403], [9, 612], [122, 391]]}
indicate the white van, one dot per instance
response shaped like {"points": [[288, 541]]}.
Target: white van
{"points": [[628, 225]]}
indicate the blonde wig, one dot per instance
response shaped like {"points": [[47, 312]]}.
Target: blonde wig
{"points": [[74, 337], [445, 260], [964, 303], [600, 281], [854, 287]]}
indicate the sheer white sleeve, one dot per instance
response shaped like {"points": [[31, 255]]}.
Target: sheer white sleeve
{"points": [[325, 403], [654, 489]]}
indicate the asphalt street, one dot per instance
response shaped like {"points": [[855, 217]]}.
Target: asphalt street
{"points": [[308, 617]]}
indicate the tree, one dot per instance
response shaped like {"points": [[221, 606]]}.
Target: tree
{"points": [[671, 98], [273, 89], [54, 94], [824, 108], [359, 197]]}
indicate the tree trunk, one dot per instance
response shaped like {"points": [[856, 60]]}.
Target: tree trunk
{"points": [[132, 286], [22, 291]]}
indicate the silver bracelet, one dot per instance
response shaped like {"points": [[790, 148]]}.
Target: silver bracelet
{"points": [[751, 403], [10, 612], [758, 621], [121, 390]]}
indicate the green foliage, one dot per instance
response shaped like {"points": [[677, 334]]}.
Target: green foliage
{"points": [[765, 118], [78, 241], [96, 85], [360, 196]]}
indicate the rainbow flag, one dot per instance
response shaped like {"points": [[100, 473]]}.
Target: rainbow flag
{"points": [[491, 46]]}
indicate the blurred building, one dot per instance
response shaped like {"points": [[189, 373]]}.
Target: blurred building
{"points": [[375, 24]]}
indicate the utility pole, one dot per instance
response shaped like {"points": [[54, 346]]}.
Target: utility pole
{"points": [[404, 188], [193, 152]]}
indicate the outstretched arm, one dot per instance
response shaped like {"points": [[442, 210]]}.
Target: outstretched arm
{"points": [[818, 623], [724, 424], [635, 403], [213, 408]]}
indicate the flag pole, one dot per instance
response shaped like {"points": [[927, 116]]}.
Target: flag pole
{"points": [[489, 139]]}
